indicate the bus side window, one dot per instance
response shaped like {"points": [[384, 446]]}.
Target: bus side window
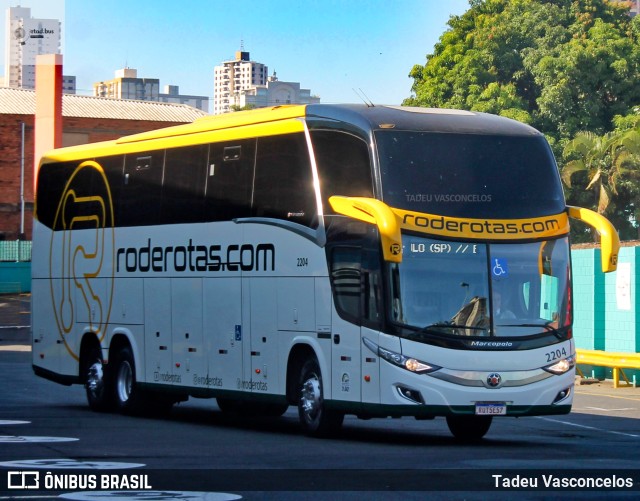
{"points": [[346, 273], [283, 186], [229, 175], [142, 189], [343, 164], [52, 179], [113, 167], [184, 184]]}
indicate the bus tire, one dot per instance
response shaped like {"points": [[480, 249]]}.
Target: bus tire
{"points": [[469, 428], [97, 382], [127, 396], [315, 418]]}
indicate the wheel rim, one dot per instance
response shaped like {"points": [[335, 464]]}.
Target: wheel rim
{"points": [[311, 398], [95, 379], [125, 381]]}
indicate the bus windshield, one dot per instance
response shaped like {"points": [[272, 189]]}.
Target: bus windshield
{"points": [[469, 175], [480, 289]]}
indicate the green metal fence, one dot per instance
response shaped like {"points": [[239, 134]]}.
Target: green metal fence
{"points": [[15, 250]]}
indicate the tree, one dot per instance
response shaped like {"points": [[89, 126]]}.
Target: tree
{"points": [[563, 66], [608, 166], [237, 107]]}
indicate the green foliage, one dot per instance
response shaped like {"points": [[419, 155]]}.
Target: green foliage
{"points": [[237, 107], [563, 66], [608, 167], [570, 68]]}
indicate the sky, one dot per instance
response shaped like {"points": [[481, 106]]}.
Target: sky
{"points": [[335, 48]]}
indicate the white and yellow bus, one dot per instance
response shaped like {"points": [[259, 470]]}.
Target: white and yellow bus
{"points": [[375, 261]]}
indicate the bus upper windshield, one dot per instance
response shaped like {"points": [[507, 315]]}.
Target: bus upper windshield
{"points": [[480, 289], [469, 175]]}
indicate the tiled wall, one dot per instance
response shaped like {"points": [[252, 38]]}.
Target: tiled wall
{"points": [[606, 305]]}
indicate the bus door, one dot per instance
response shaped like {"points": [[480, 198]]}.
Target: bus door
{"points": [[346, 271], [223, 331], [356, 286]]}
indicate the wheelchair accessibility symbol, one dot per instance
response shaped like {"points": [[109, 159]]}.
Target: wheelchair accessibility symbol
{"points": [[499, 268]]}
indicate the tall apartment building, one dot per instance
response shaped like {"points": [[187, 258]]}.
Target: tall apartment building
{"points": [[127, 85], [25, 38], [234, 76]]}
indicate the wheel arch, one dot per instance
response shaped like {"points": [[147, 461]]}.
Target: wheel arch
{"points": [[121, 339], [88, 343], [300, 352]]}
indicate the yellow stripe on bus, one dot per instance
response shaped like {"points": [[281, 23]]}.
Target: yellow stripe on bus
{"points": [[186, 135]]}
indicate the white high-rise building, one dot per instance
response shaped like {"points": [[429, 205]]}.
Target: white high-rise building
{"points": [[27, 37], [234, 76]]}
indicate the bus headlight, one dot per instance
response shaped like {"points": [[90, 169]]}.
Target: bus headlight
{"points": [[561, 366], [399, 360]]}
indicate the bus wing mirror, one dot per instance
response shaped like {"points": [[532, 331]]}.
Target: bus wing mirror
{"points": [[609, 241], [375, 212]]}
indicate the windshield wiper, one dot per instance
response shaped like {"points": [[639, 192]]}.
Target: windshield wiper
{"points": [[546, 326], [450, 325]]}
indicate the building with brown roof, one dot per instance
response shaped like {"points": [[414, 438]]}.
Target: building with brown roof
{"points": [[85, 119]]}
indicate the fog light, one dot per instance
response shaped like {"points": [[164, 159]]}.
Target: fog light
{"points": [[562, 395], [409, 394]]}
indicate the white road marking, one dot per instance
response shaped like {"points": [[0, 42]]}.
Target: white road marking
{"points": [[588, 427]]}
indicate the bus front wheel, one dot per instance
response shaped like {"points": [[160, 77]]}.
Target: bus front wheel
{"points": [[96, 381], [469, 428], [315, 418]]}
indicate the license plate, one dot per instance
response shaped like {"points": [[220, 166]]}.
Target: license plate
{"points": [[491, 409]]}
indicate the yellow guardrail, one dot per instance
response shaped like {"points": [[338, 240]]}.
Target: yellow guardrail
{"points": [[615, 360]]}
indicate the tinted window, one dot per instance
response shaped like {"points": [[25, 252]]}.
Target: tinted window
{"points": [[114, 170], [79, 211], [283, 186], [345, 280], [229, 179], [184, 184], [142, 189], [469, 175], [52, 179], [343, 166]]}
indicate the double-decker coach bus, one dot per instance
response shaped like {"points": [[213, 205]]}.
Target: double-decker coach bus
{"points": [[374, 261]]}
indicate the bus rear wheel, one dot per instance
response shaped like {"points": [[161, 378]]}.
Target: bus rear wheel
{"points": [[127, 397], [315, 418], [469, 428]]}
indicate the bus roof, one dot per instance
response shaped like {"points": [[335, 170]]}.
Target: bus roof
{"points": [[421, 119], [367, 118]]}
